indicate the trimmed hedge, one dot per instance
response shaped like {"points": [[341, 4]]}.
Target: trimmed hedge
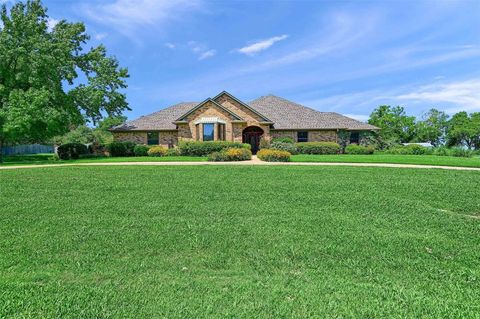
{"points": [[282, 146], [359, 149], [283, 140], [157, 151], [173, 152], [141, 150], [230, 155], [324, 148], [197, 148], [71, 151], [117, 149], [269, 155]]}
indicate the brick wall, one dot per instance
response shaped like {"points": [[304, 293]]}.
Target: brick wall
{"points": [[313, 135]]}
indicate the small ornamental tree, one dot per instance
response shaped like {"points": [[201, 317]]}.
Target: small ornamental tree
{"points": [[41, 95]]}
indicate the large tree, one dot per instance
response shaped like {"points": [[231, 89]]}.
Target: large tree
{"points": [[396, 126], [464, 130], [49, 81], [432, 127]]}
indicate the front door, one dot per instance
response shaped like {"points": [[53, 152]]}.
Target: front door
{"points": [[252, 135], [254, 141]]}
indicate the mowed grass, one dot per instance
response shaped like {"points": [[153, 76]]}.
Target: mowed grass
{"points": [[38, 159], [393, 159], [239, 242]]}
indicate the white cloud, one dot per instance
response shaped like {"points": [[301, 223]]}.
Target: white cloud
{"points": [[460, 95], [201, 50], [127, 16], [100, 36], [169, 45], [262, 45], [207, 54]]}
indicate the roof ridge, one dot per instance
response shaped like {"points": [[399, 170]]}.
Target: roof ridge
{"points": [[205, 101]]}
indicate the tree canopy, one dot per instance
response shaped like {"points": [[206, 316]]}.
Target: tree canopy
{"points": [[432, 127], [464, 129], [49, 81], [396, 126]]}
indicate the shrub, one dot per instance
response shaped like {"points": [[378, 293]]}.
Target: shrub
{"points": [[117, 149], [205, 148], [173, 152], [412, 149], [157, 151], [325, 148], [269, 155], [71, 151], [264, 143], [141, 150], [288, 147], [442, 151], [231, 154], [454, 151], [97, 149], [54, 158], [460, 152], [359, 149], [283, 140]]}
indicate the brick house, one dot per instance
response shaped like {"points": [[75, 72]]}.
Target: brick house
{"points": [[226, 118]]}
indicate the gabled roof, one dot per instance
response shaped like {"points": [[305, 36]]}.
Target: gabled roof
{"points": [[161, 120], [181, 118], [284, 114], [290, 115], [264, 118]]}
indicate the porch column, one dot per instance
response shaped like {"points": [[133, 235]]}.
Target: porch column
{"points": [[215, 131], [200, 132]]}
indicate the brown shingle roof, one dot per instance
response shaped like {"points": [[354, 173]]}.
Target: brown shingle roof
{"points": [[161, 120], [283, 113], [289, 115]]}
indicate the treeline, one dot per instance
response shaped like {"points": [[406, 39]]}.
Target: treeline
{"points": [[436, 127]]}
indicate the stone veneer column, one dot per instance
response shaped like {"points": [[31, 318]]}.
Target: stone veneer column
{"points": [[215, 131], [200, 132]]}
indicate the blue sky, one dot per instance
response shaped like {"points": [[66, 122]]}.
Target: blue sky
{"points": [[342, 56]]}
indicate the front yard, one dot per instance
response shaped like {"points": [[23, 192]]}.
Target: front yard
{"points": [[239, 241], [392, 159]]}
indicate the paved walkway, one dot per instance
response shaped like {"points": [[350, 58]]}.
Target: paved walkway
{"points": [[254, 161]]}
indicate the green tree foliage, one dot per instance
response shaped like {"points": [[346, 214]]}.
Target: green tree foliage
{"points": [[395, 125], [87, 135], [432, 127], [41, 94], [464, 130]]}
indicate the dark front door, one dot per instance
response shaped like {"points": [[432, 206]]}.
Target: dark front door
{"points": [[252, 139], [252, 135]]}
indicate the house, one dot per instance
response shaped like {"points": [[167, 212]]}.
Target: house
{"points": [[226, 118]]}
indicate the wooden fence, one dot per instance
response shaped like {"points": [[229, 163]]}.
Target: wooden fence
{"points": [[27, 149]]}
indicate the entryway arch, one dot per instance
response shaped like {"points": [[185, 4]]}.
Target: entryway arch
{"points": [[251, 135]]}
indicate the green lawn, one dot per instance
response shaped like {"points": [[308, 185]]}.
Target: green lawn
{"points": [[47, 159], [239, 242], [396, 159]]}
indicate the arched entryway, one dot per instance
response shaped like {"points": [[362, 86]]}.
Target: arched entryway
{"points": [[252, 135]]}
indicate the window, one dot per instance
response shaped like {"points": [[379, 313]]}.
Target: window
{"points": [[302, 136], [152, 138], [354, 138], [208, 129]]}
